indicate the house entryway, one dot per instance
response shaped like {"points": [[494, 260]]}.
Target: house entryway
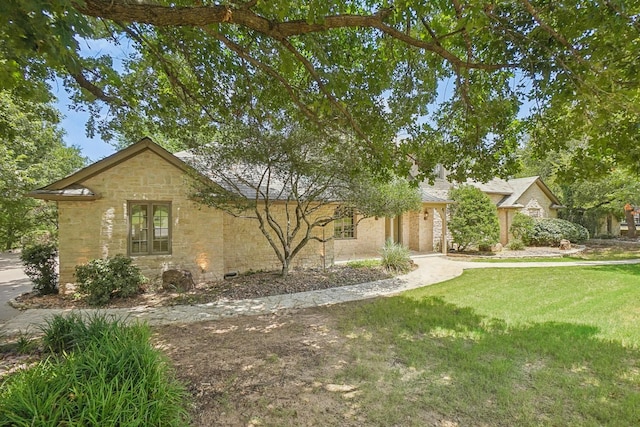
{"points": [[393, 229]]}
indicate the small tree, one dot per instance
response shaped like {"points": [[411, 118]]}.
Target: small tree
{"points": [[522, 227], [40, 261], [291, 181], [474, 219]]}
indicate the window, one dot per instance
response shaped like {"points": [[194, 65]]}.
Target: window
{"points": [[149, 228], [345, 226]]}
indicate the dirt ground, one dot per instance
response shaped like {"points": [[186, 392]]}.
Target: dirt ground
{"points": [[265, 370]]}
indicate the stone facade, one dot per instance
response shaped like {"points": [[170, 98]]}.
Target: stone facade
{"points": [[205, 241], [99, 229], [370, 236], [246, 247], [94, 217]]}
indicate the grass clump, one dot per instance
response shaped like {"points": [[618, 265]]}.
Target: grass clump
{"points": [[364, 263], [100, 372], [396, 258]]}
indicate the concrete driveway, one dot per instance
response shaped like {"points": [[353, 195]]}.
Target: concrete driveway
{"points": [[13, 282]]}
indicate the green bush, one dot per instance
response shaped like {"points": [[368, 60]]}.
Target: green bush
{"points": [[104, 279], [474, 218], [113, 377], [522, 227], [40, 262], [549, 232], [516, 245], [395, 257]]}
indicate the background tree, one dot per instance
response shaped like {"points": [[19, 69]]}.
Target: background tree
{"points": [[474, 218], [32, 154], [589, 199], [450, 74], [291, 183]]}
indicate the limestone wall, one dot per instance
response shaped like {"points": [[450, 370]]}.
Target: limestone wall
{"points": [[98, 229], [368, 242], [246, 247], [205, 241], [534, 198]]}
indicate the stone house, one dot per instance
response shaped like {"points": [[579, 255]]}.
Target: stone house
{"points": [[136, 202], [529, 195]]}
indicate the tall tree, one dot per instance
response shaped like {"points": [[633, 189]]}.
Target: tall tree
{"points": [[450, 74], [588, 199], [32, 154], [291, 183]]}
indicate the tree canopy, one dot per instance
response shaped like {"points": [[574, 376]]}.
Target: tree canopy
{"points": [[447, 75], [32, 154]]}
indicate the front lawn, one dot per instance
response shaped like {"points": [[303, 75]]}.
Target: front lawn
{"points": [[556, 346]]}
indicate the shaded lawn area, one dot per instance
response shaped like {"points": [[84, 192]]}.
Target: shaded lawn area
{"points": [[556, 346]]}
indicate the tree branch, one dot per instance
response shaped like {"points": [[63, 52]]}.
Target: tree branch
{"points": [[144, 11]]}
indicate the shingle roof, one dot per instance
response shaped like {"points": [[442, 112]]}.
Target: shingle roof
{"points": [[511, 189]]}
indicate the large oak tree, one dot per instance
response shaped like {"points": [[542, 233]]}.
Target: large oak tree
{"points": [[448, 75]]}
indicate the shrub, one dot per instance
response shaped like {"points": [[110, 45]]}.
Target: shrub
{"points": [[40, 262], [474, 218], [522, 227], [395, 257], [112, 377], [516, 245], [549, 232], [103, 279]]}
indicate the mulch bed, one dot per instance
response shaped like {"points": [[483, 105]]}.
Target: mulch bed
{"points": [[245, 286]]}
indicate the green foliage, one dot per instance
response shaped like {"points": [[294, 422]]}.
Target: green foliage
{"points": [[522, 227], [40, 261], [396, 257], [26, 343], [549, 232], [62, 333], [111, 375], [474, 219], [488, 337], [32, 155], [364, 263], [516, 245], [260, 170], [104, 279], [388, 198]]}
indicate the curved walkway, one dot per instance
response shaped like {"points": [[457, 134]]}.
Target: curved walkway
{"points": [[431, 269]]}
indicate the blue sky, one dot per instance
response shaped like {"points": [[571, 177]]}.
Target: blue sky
{"points": [[73, 124]]}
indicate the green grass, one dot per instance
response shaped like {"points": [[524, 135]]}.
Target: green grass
{"points": [[364, 263], [526, 347]]}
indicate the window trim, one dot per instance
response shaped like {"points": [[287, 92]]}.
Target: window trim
{"points": [[150, 238], [354, 226]]}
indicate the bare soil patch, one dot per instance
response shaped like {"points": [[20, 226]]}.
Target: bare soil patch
{"points": [[265, 370]]}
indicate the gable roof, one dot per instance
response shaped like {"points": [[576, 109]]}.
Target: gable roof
{"points": [[520, 185], [511, 190], [71, 187]]}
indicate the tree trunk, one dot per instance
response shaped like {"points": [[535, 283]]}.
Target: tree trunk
{"points": [[285, 267], [631, 223]]}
